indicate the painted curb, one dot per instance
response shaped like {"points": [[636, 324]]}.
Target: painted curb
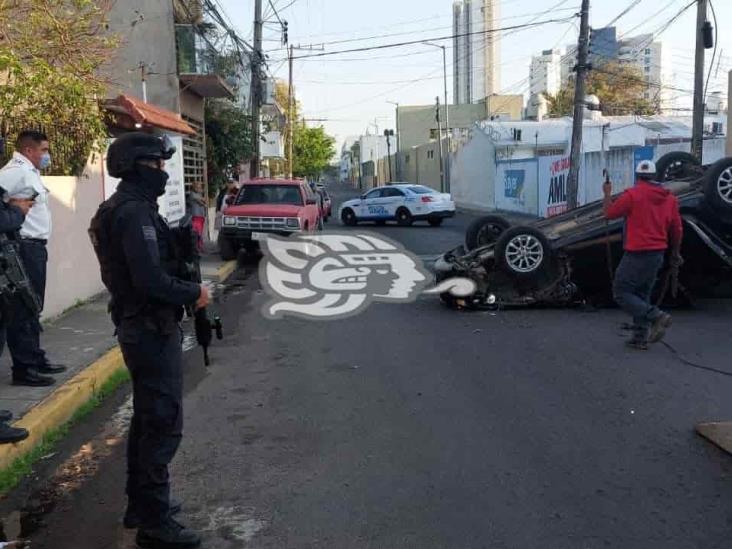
{"points": [[225, 271], [58, 407]]}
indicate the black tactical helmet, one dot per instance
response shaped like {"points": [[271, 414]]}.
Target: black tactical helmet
{"points": [[128, 148]]}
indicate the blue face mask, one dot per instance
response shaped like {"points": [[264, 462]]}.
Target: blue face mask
{"points": [[45, 161]]}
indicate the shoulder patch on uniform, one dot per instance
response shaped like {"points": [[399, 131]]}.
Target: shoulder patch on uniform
{"points": [[149, 233]]}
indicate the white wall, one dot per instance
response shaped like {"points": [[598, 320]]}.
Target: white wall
{"points": [[73, 270], [473, 172]]}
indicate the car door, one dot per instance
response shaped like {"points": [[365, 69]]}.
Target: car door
{"points": [[370, 204], [394, 198], [312, 211]]}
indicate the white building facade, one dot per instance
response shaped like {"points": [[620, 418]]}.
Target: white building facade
{"points": [[654, 62], [476, 50], [545, 75], [642, 52]]}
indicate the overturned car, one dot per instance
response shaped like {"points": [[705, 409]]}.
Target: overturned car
{"points": [[570, 258]]}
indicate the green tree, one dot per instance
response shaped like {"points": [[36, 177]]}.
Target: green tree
{"points": [[50, 55], [619, 87], [313, 150], [229, 141]]}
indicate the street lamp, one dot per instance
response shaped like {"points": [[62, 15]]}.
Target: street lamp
{"points": [[388, 134], [398, 143], [447, 107]]}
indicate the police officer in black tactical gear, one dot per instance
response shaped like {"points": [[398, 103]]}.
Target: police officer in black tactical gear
{"points": [[12, 215], [136, 254]]}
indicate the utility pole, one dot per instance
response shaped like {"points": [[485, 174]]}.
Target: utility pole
{"points": [[291, 106], [439, 140], [579, 106], [388, 134], [257, 58], [697, 130], [290, 116], [398, 143], [447, 110]]}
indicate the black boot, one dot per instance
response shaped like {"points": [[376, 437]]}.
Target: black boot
{"points": [[170, 535], [6, 415], [10, 434], [132, 518], [49, 368], [31, 378], [639, 341]]}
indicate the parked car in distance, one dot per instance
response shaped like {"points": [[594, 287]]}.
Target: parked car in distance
{"points": [[401, 202], [263, 207], [327, 203]]}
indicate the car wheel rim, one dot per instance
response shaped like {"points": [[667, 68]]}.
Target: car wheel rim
{"points": [[524, 253], [724, 185], [488, 234]]}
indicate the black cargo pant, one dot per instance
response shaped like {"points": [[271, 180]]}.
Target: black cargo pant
{"points": [[153, 354], [24, 328]]}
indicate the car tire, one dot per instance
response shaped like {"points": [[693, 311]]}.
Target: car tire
{"points": [[320, 224], [227, 249], [435, 221], [523, 252], [676, 165], [348, 217], [404, 217], [485, 230], [718, 187]]}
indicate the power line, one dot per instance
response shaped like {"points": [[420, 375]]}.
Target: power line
{"points": [[436, 38], [391, 35]]}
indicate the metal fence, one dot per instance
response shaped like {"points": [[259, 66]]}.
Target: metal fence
{"points": [[70, 147]]}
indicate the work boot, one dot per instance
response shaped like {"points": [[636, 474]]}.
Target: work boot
{"points": [[49, 368], [5, 415], [132, 518], [659, 327], [170, 535], [32, 378], [10, 434], [639, 342]]}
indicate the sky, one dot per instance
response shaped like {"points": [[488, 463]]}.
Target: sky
{"points": [[349, 94]]}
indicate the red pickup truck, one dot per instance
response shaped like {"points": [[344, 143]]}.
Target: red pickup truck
{"points": [[263, 207]]}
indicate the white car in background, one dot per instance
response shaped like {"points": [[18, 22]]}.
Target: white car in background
{"points": [[401, 202]]}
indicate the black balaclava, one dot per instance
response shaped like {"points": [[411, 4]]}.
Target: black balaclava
{"points": [[153, 179]]}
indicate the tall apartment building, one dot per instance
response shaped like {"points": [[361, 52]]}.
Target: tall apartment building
{"points": [[642, 52], [476, 57], [546, 73], [653, 61]]}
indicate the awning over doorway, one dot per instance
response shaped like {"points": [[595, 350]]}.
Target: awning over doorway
{"points": [[132, 113]]}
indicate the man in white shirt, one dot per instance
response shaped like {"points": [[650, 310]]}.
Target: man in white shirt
{"points": [[21, 178]]}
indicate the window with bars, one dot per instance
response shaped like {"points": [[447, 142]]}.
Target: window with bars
{"points": [[194, 154]]}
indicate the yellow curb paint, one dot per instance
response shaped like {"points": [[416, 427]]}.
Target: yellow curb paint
{"points": [[224, 272], [717, 432], [58, 407]]}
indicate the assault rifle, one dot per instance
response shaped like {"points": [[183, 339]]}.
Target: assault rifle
{"points": [[189, 268], [14, 279]]}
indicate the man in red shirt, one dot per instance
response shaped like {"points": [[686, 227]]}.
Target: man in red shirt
{"points": [[652, 224]]}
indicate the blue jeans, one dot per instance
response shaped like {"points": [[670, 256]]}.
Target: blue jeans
{"points": [[24, 328], [633, 285]]}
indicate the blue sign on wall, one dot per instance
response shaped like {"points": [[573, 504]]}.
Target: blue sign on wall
{"points": [[514, 184]]}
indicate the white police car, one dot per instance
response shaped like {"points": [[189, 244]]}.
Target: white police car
{"points": [[402, 202]]}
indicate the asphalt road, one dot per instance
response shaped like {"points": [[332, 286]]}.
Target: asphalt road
{"points": [[413, 426]]}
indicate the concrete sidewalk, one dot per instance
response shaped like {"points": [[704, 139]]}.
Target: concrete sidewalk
{"points": [[83, 340]]}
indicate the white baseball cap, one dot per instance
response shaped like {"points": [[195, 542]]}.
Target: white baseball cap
{"points": [[646, 167]]}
